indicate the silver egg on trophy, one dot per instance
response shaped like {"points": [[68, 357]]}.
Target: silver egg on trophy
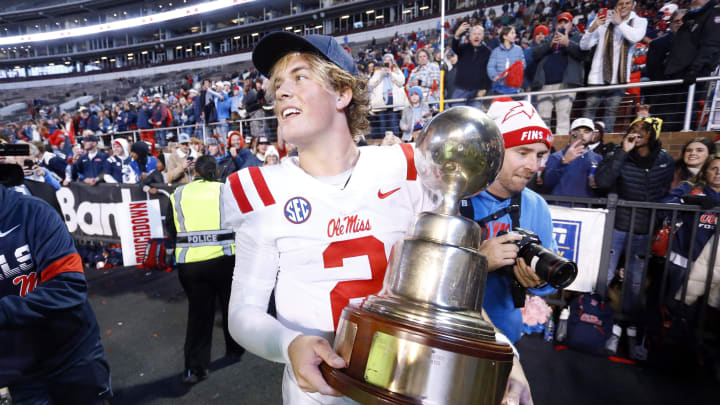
{"points": [[458, 154]]}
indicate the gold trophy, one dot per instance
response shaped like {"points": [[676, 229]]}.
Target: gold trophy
{"points": [[422, 339]]}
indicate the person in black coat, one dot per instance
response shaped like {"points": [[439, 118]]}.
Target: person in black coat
{"points": [[639, 170], [657, 55], [695, 51], [471, 79]]}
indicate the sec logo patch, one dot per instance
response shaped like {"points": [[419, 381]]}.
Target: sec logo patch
{"points": [[297, 210]]}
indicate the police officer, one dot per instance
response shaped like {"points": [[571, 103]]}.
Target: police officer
{"points": [[205, 255], [695, 51]]}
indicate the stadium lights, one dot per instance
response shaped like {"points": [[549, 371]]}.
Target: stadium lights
{"points": [[237, 37], [159, 5], [318, 27], [103, 58], [178, 47], [379, 17], [288, 28], [124, 12], [144, 52], [198, 43], [297, 31], [407, 11], [188, 50], [130, 58], [369, 11], [345, 17], [254, 34], [206, 47], [112, 60], [51, 64], [17, 67], [424, 8], [67, 62], [123, 24], [130, 54]]}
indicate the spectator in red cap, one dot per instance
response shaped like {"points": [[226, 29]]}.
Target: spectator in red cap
{"points": [[539, 35], [559, 66]]}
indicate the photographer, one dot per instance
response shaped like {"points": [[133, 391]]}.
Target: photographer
{"points": [[507, 204]]}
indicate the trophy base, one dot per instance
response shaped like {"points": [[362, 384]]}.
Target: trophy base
{"points": [[362, 392], [392, 362]]}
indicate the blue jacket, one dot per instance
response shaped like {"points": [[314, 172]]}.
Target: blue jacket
{"points": [[245, 158], [114, 167], [91, 168], [143, 115], [535, 217], [570, 179], [46, 323], [706, 221], [500, 59], [223, 107], [149, 166]]}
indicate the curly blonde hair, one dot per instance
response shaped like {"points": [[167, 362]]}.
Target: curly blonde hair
{"points": [[336, 79]]}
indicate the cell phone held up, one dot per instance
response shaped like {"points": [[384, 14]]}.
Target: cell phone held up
{"points": [[603, 13]]}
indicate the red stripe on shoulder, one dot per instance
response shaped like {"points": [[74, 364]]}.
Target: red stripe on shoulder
{"points": [[239, 193], [261, 186], [410, 156], [68, 264]]}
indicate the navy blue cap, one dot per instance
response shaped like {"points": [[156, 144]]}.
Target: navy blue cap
{"points": [[92, 138], [275, 45]]}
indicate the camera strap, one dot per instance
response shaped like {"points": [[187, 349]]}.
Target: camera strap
{"points": [[467, 210]]}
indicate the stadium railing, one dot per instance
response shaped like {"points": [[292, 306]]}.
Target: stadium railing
{"points": [[689, 105]]}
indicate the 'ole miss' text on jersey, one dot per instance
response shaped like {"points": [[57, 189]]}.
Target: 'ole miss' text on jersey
{"points": [[46, 323], [321, 246]]}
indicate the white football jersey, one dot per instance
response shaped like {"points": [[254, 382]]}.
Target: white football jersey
{"points": [[320, 246]]}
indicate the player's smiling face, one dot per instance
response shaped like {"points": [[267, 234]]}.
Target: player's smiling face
{"points": [[304, 106]]}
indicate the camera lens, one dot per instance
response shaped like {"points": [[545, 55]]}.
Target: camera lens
{"points": [[556, 270]]}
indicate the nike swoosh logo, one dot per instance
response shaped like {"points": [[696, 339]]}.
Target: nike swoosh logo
{"points": [[4, 234], [382, 195]]}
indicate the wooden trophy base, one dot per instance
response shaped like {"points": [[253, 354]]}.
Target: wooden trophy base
{"points": [[396, 363]]}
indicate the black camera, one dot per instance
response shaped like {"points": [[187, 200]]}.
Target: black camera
{"points": [[386, 64], [553, 269], [12, 175], [28, 163]]}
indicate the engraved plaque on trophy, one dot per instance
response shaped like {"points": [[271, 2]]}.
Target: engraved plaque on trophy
{"points": [[422, 339]]}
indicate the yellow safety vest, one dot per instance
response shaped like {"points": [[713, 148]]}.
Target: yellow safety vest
{"points": [[198, 220]]}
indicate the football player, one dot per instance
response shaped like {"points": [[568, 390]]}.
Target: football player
{"points": [[317, 228]]}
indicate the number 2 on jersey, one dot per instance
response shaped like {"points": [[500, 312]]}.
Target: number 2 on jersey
{"points": [[334, 255]]}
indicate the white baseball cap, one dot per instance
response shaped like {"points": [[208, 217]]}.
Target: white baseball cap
{"points": [[582, 122]]}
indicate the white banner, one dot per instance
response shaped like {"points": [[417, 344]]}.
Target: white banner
{"points": [[579, 235], [137, 222]]}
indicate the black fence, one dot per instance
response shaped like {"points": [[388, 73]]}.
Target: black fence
{"points": [[661, 279]]}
